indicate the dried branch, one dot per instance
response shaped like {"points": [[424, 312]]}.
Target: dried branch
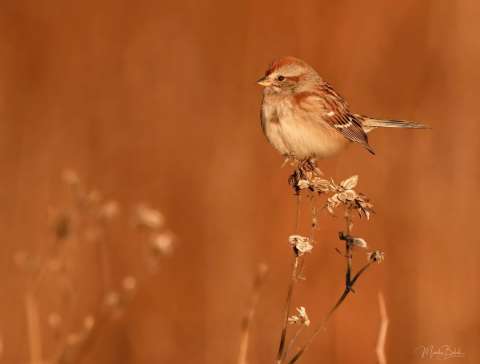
{"points": [[288, 304], [293, 280], [300, 245], [349, 283], [78, 344], [87, 217]]}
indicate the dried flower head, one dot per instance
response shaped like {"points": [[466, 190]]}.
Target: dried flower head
{"points": [[300, 318], [308, 176], [300, 244], [109, 210], [349, 183], [376, 256], [129, 283], [304, 174], [361, 243], [148, 217], [321, 185], [112, 299], [162, 243], [344, 194], [303, 184], [88, 322]]}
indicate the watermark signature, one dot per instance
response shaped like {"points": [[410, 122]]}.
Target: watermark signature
{"points": [[443, 352]]}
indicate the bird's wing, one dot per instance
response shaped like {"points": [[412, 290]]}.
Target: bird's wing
{"points": [[335, 112]]}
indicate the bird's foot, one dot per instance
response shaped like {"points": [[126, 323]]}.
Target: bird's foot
{"points": [[310, 165], [305, 172]]}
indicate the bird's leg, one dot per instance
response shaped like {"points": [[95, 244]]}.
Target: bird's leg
{"points": [[296, 175]]}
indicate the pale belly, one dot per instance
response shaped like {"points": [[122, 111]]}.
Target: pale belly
{"points": [[300, 137]]}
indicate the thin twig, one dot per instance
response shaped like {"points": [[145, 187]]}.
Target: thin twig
{"points": [[330, 313], [249, 314], [288, 304], [298, 201], [313, 223], [292, 341], [382, 332], [348, 248], [313, 226], [293, 281], [349, 283]]}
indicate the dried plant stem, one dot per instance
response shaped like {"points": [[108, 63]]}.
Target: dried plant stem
{"points": [[330, 313], [54, 250], [250, 313], [308, 177], [75, 352], [349, 283], [293, 280], [348, 249], [297, 212], [382, 333], [299, 273], [293, 340], [33, 329], [288, 304]]}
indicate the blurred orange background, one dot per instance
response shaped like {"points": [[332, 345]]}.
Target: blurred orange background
{"points": [[156, 102]]}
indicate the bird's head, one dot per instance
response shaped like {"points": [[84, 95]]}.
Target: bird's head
{"points": [[288, 75]]}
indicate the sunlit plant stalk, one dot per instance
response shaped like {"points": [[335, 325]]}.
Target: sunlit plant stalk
{"points": [[308, 177]]}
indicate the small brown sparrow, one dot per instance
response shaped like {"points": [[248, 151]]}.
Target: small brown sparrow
{"points": [[304, 117]]}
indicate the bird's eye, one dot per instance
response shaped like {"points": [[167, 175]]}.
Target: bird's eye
{"points": [[280, 78]]}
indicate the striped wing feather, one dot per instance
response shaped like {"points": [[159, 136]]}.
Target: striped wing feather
{"points": [[337, 115]]}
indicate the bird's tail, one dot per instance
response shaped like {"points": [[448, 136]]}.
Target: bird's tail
{"points": [[369, 124]]}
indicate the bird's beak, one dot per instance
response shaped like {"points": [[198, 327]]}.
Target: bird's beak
{"points": [[264, 81]]}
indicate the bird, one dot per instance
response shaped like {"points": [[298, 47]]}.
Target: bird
{"points": [[303, 117]]}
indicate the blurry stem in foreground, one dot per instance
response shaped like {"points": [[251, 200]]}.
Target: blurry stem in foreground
{"points": [[382, 333], [250, 312], [55, 249], [33, 329], [75, 352]]}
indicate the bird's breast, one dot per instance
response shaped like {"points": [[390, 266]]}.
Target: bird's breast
{"points": [[299, 132]]}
